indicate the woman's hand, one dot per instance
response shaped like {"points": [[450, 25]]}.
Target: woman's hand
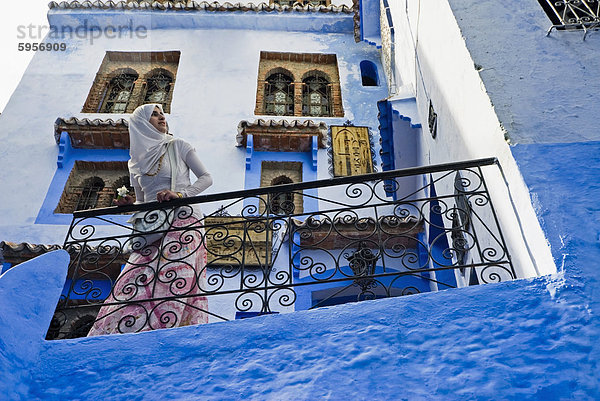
{"points": [[166, 195], [124, 200]]}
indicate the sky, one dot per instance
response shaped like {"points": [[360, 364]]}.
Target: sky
{"points": [[14, 62]]}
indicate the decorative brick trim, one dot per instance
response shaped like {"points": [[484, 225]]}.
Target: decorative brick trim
{"points": [[401, 234], [185, 5], [16, 253], [327, 3], [282, 136], [169, 57], [94, 134], [310, 58], [356, 19]]}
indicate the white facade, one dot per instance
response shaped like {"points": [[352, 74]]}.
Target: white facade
{"points": [[432, 63], [214, 90]]}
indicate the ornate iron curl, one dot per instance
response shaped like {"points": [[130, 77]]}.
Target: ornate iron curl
{"points": [[285, 297], [361, 192], [492, 274], [244, 303]]}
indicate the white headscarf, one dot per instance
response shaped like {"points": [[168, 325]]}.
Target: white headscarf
{"points": [[146, 143]]}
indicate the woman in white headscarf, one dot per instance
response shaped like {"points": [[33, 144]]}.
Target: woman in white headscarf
{"points": [[155, 288]]}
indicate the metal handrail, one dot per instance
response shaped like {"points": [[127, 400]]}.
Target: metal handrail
{"points": [[330, 182]]}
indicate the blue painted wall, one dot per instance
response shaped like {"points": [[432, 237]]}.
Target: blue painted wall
{"points": [[252, 179], [67, 157], [564, 180], [24, 318], [542, 89], [528, 339]]}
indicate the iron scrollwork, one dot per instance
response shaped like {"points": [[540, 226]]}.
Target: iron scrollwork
{"points": [[257, 254]]}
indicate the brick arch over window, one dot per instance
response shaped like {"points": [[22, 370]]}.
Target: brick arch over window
{"points": [[146, 66], [93, 185], [158, 85], [299, 65], [118, 91], [316, 73], [279, 92], [316, 94], [280, 70], [282, 179], [279, 173]]}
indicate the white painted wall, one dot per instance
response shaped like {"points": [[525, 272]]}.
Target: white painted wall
{"points": [[468, 127], [215, 89]]}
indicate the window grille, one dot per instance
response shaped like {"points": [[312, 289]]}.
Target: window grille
{"points": [[119, 92], [279, 95], [572, 14], [126, 80], [316, 95], [88, 199], [275, 173], [158, 88]]}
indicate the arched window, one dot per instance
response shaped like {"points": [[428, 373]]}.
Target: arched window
{"points": [[119, 92], [368, 71], [279, 94], [281, 203], [316, 95], [90, 188], [158, 86]]}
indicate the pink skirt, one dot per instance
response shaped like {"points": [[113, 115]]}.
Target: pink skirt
{"points": [[158, 290]]}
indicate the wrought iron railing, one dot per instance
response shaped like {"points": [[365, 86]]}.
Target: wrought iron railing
{"points": [[283, 248]]}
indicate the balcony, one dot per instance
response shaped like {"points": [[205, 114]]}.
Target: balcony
{"points": [[357, 238]]}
